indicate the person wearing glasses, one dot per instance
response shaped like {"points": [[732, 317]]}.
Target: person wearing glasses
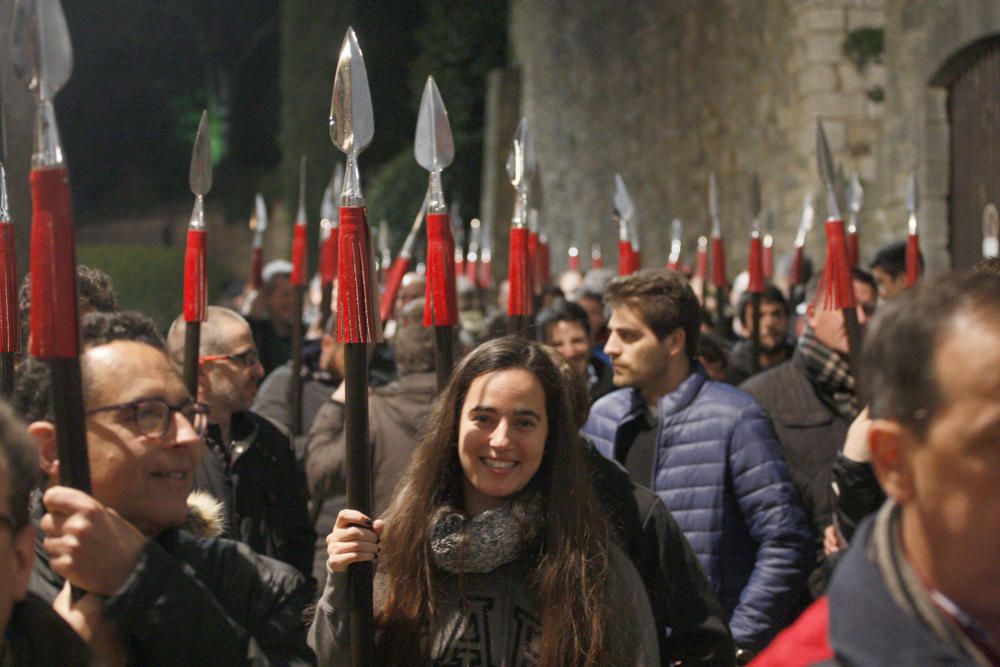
{"points": [[147, 590], [250, 465]]}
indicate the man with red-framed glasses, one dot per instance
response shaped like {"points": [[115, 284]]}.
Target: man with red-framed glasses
{"points": [[250, 465]]}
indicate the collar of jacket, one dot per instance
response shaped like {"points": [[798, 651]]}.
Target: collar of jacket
{"points": [[675, 401]]}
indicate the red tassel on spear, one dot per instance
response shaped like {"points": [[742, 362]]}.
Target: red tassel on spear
{"points": [[805, 224], [521, 169], [836, 291], [573, 258], [43, 60], [195, 275], [769, 246], [913, 237], [10, 340], [329, 229], [435, 150], [596, 258], [628, 243], [351, 129]]}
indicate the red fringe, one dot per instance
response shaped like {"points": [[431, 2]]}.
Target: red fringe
{"points": [[756, 266], [701, 264], [10, 337], [392, 283], [718, 263], [574, 262], [485, 275], [471, 271], [195, 278], [627, 260], [795, 272], [356, 314], [328, 259], [520, 301], [912, 259], [300, 270], [54, 322], [441, 304], [835, 289]]}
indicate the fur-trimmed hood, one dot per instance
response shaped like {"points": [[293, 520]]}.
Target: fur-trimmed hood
{"points": [[205, 515]]}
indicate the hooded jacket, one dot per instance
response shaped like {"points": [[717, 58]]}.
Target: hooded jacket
{"points": [[718, 468]]}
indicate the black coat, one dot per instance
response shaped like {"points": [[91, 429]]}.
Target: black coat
{"points": [[263, 489], [38, 637]]}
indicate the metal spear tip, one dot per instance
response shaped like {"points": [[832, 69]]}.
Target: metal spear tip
{"points": [[713, 196], [623, 202], [912, 201], [823, 157], [526, 139], [855, 194], [200, 175], [677, 230], [351, 124], [41, 51], [260, 213], [755, 199], [383, 236], [805, 219], [3, 123], [300, 218], [433, 145]]}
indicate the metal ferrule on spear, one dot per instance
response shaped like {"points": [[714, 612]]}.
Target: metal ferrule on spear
{"points": [[42, 57], [258, 225], [573, 258], [329, 227], [520, 169], [435, 150], [836, 290], [351, 130], [991, 231], [913, 233], [806, 218], [769, 246], [701, 266], [195, 273], [596, 258], [10, 338]]}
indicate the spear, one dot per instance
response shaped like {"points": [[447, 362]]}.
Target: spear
{"points": [[536, 279], [755, 270], [458, 234], [718, 258], [42, 57], [351, 129], [573, 258], [806, 218], [486, 257], [472, 257], [596, 258], [855, 201], [435, 150], [300, 278], [628, 257], [195, 280], [836, 285], [913, 237], [769, 246], [384, 253], [676, 245], [329, 226], [258, 224], [701, 265], [401, 265], [991, 231], [520, 169], [10, 339]]}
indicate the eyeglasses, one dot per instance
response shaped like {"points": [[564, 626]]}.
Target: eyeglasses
{"points": [[246, 357], [153, 416]]}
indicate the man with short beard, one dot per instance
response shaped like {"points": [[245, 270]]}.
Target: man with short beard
{"points": [[775, 344]]}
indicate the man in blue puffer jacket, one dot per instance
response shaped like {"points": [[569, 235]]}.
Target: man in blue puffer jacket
{"points": [[708, 450]]}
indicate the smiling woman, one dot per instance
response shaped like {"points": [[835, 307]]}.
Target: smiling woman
{"points": [[494, 545]]}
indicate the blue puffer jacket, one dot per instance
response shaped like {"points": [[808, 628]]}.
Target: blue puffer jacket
{"points": [[718, 468]]}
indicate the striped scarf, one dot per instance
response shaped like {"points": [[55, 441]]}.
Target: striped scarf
{"points": [[830, 373]]}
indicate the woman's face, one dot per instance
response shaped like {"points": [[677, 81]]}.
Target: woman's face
{"points": [[501, 436]]}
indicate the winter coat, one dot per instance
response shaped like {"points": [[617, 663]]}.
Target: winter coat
{"points": [[37, 636], [689, 621], [718, 468], [396, 415], [492, 618], [739, 362], [810, 431], [262, 488], [193, 600]]}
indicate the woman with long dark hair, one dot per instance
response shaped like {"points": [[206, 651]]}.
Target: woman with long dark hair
{"points": [[494, 550]]}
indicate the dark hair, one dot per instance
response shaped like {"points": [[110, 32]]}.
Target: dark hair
{"points": [[771, 294], [857, 275], [561, 310], [571, 574], [664, 301], [20, 462], [899, 374], [891, 258], [987, 265], [101, 328], [94, 289], [414, 344]]}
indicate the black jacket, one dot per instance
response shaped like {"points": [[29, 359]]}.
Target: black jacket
{"points": [[198, 601], [689, 620], [37, 636], [262, 487]]}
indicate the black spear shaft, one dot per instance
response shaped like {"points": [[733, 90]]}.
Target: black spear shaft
{"points": [[71, 425], [192, 343], [443, 355], [853, 342], [755, 333], [325, 299], [721, 296], [7, 374], [295, 386]]}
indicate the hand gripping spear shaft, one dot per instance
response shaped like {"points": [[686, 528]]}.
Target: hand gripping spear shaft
{"points": [[10, 338], [329, 227], [521, 169], [836, 290], [351, 129], [435, 150], [43, 59], [195, 277]]}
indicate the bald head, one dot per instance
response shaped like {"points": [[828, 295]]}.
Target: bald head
{"points": [[217, 331]]}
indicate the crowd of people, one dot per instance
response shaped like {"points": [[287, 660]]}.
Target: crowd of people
{"points": [[621, 484]]}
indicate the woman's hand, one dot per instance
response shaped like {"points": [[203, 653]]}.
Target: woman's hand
{"points": [[856, 445], [354, 539]]}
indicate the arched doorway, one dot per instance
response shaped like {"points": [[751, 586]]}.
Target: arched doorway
{"points": [[972, 78]]}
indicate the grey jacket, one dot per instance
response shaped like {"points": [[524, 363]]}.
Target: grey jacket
{"points": [[501, 627]]}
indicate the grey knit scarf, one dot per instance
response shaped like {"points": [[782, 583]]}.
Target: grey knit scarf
{"points": [[830, 372], [487, 541]]}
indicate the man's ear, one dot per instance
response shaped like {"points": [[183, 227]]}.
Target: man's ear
{"points": [[675, 342], [811, 315], [48, 455], [889, 442]]}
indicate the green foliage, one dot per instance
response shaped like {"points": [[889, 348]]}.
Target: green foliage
{"points": [[865, 45], [149, 279]]}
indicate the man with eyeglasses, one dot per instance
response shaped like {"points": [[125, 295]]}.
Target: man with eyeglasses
{"points": [[812, 400], [153, 591], [250, 465]]}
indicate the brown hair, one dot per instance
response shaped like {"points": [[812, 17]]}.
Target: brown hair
{"points": [[664, 301], [571, 574]]}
